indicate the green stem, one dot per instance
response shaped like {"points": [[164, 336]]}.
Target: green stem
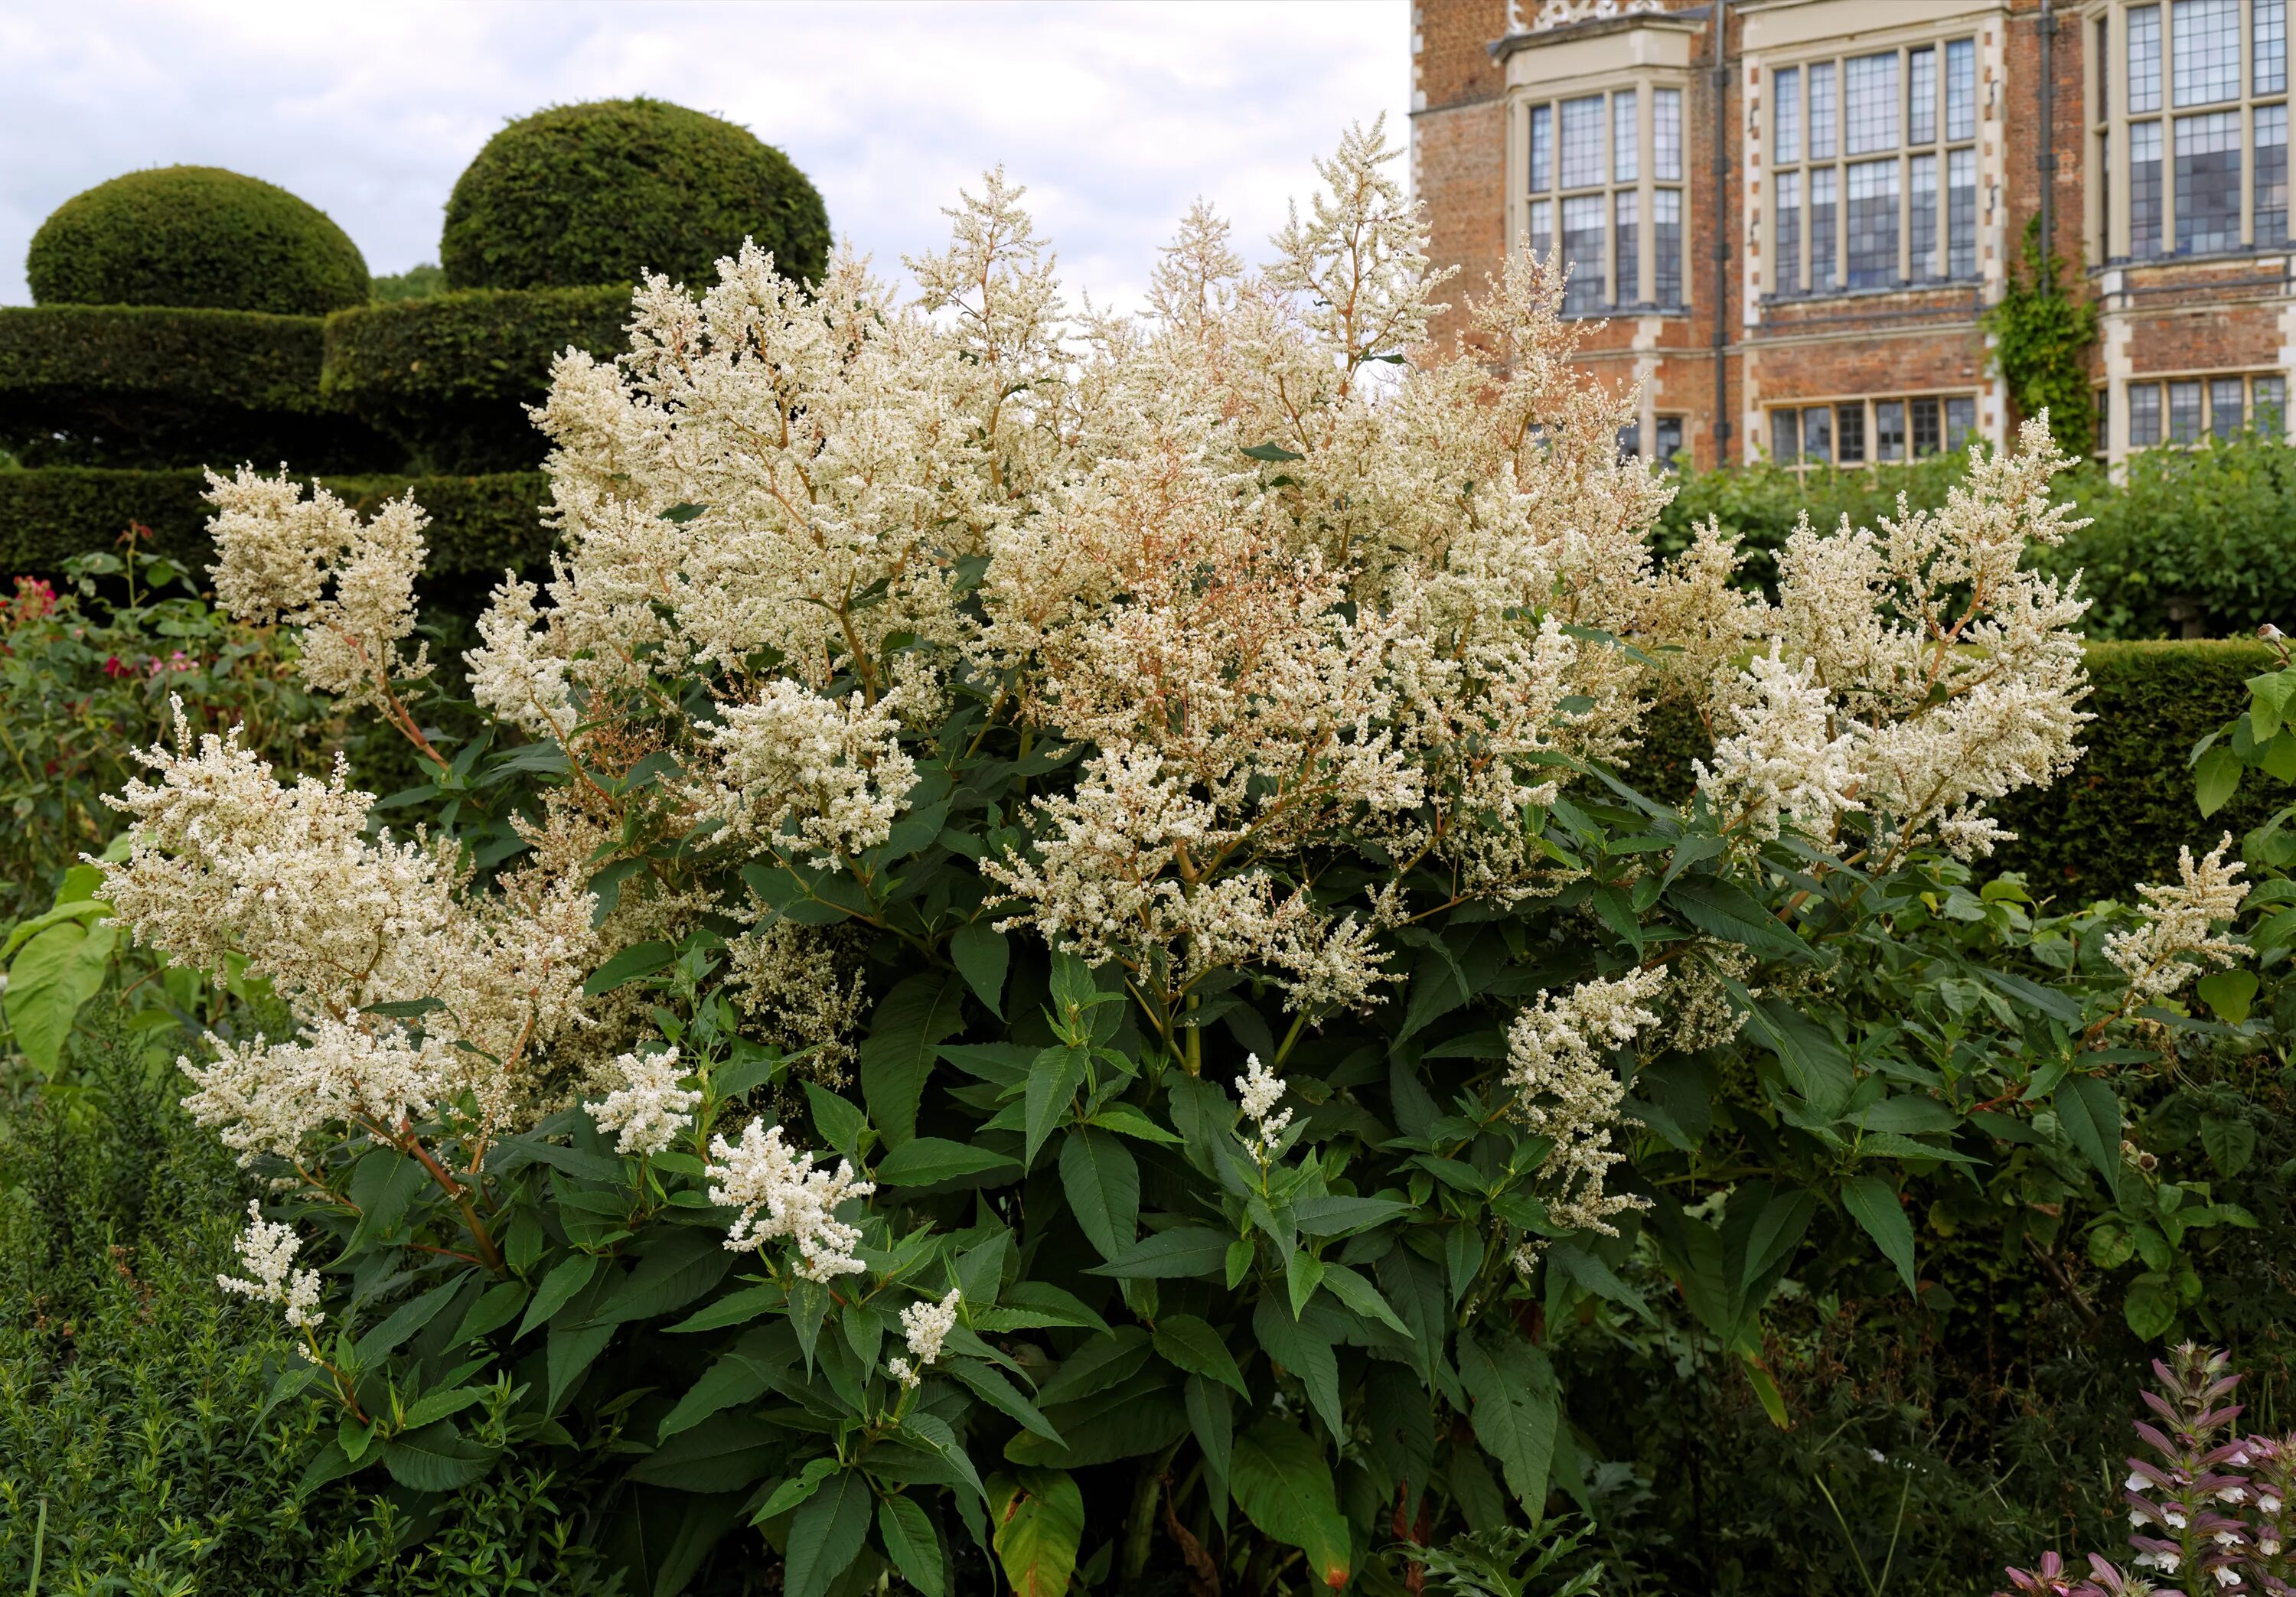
{"points": [[1140, 1526]]}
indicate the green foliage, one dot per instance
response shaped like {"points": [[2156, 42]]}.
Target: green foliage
{"points": [[194, 236], [450, 377], [606, 192], [106, 385], [2041, 337], [2188, 538], [425, 281], [479, 524], [86, 678], [136, 1399], [2120, 816]]}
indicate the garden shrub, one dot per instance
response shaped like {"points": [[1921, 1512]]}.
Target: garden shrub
{"points": [[194, 237], [607, 192], [480, 525], [2188, 539], [1041, 957], [138, 387], [450, 377]]}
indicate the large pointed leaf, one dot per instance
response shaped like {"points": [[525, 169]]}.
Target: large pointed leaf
{"points": [[826, 1535], [1102, 1183], [1038, 1515], [1514, 1410], [898, 1053], [436, 1458], [52, 975], [1721, 909], [1279, 1480], [927, 1161], [1053, 1082], [1193, 1345], [982, 956], [1169, 1254], [1873, 1204], [915, 1552], [2090, 1114]]}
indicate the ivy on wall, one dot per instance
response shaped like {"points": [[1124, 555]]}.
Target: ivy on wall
{"points": [[2041, 336]]}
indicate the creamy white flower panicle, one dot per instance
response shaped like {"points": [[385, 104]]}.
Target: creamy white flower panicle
{"points": [[1566, 1092], [1783, 759], [783, 1197], [648, 1109], [227, 861], [834, 770], [1261, 1089], [2180, 931], [266, 1252], [926, 1325], [1954, 676], [277, 553]]}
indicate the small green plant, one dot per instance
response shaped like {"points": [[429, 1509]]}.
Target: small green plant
{"points": [[1509, 1562]]}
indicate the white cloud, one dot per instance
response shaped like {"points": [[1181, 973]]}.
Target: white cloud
{"points": [[1115, 115]]}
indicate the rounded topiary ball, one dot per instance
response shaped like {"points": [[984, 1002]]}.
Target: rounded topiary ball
{"points": [[604, 192], [195, 237]]}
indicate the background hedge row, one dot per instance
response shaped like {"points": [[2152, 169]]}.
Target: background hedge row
{"points": [[449, 378], [480, 524], [141, 386]]}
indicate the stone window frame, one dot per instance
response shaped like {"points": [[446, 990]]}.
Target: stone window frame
{"points": [[2106, 36], [2202, 386], [1867, 412], [1781, 177], [1639, 191], [1630, 439]]}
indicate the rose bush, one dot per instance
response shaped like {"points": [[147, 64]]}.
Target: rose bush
{"points": [[1052, 953]]}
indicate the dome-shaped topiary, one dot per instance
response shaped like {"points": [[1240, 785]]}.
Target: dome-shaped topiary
{"points": [[194, 237], [600, 193]]}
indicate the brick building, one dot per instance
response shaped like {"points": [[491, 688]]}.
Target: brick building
{"points": [[1791, 229]]}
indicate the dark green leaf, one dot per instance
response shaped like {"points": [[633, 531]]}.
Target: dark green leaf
{"points": [[1169, 1254], [827, 1535], [1193, 1345], [897, 1056], [927, 1161], [1283, 1485], [1102, 1183], [633, 962], [1873, 1203], [982, 956]]}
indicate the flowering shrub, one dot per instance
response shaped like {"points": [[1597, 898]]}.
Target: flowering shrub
{"points": [[2207, 1508], [1070, 966]]}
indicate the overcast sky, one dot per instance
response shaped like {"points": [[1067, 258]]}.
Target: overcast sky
{"points": [[1115, 115]]}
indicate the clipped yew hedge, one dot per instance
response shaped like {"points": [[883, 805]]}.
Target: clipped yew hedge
{"points": [[194, 236], [449, 378], [136, 385], [480, 525]]}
